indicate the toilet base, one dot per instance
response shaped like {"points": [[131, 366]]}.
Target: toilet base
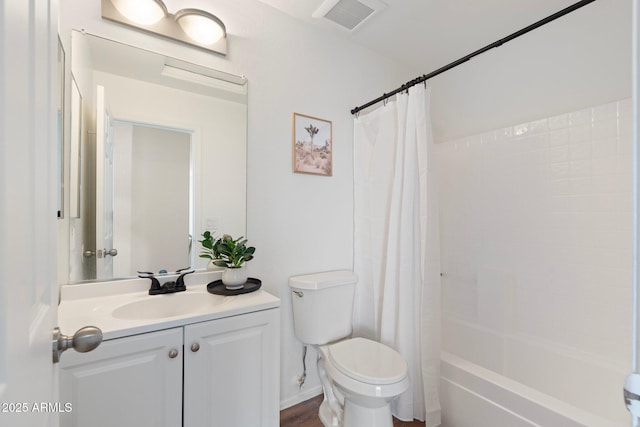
{"points": [[327, 416], [363, 414], [356, 415]]}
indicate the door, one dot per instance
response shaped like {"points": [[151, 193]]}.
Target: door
{"points": [[632, 383], [28, 211], [231, 369], [104, 188]]}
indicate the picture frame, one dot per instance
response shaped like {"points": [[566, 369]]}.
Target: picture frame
{"points": [[312, 145]]}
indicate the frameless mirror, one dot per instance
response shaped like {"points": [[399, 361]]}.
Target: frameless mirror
{"points": [[156, 139]]}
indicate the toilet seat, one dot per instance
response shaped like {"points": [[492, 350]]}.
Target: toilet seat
{"points": [[366, 368], [368, 361]]}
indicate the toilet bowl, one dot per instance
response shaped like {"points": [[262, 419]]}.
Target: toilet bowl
{"points": [[368, 376], [359, 377]]}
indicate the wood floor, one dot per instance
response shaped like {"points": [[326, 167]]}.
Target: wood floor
{"points": [[305, 414]]}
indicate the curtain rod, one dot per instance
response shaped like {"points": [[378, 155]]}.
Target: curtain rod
{"points": [[464, 59]]}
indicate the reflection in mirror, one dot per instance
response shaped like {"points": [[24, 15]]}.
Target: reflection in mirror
{"points": [[153, 164], [60, 123], [156, 138], [75, 127]]}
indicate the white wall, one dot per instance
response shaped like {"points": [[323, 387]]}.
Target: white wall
{"points": [[299, 223], [579, 60], [536, 253]]}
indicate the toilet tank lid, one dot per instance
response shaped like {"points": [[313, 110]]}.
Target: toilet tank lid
{"points": [[323, 280]]}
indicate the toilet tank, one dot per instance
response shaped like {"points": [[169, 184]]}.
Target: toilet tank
{"points": [[323, 305]]}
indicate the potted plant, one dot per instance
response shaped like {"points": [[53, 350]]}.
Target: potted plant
{"points": [[229, 253]]}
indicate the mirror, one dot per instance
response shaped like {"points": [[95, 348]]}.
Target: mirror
{"points": [[156, 139]]}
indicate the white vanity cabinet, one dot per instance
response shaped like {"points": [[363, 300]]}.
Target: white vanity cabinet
{"points": [[231, 373], [131, 381]]}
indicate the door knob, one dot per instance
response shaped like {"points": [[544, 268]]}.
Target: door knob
{"points": [[112, 252], [195, 347], [84, 340]]}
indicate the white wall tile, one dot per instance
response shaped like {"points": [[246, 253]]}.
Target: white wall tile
{"points": [[580, 150], [604, 147], [606, 112], [579, 133], [604, 129], [549, 202], [580, 118], [558, 122]]}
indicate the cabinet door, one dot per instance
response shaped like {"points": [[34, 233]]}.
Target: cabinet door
{"points": [[232, 379], [129, 381]]}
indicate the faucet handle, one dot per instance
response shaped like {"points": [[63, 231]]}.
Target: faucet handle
{"points": [[180, 282], [155, 283]]}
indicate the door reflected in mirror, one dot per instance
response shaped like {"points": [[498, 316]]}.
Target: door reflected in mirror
{"points": [[151, 215], [155, 152]]}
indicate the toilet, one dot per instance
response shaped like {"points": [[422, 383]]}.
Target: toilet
{"points": [[359, 377]]}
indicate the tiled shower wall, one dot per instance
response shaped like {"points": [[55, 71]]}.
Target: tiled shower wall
{"points": [[536, 239]]}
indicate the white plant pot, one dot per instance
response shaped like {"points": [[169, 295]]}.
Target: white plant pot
{"points": [[234, 278]]}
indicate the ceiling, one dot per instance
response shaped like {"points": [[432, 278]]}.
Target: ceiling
{"points": [[427, 34]]}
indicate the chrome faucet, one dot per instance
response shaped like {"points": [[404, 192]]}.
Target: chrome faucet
{"points": [[169, 286]]}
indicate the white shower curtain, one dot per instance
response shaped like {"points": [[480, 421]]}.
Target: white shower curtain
{"points": [[397, 244]]}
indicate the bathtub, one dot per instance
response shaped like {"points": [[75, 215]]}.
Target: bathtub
{"points": [[472, 396]]}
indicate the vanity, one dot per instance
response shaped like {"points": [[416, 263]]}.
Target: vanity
{"points": [[188, 359]]}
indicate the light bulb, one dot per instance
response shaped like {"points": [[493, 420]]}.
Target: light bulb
{"points": [[200, 26], [143, 12]]}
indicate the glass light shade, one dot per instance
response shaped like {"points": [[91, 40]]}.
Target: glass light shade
{"points": [[143, 12], [201, 26]]}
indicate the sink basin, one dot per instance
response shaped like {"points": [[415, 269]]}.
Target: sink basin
{"points": [[167, 305]]}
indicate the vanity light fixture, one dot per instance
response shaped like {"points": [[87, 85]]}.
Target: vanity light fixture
{"points": [[192, 26]]}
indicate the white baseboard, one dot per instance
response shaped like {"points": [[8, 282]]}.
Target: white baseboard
{"points": [[301, 397]]}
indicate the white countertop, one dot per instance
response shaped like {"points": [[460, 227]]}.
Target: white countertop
{"points": [[93, 304]]}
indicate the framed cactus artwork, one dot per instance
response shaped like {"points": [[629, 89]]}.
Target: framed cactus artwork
{"points": [[312, 145]]}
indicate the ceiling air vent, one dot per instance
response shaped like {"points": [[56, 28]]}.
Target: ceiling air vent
{"points": [[348, 14]]}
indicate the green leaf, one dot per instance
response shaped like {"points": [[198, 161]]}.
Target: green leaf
{"points": [[229, 252]]}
